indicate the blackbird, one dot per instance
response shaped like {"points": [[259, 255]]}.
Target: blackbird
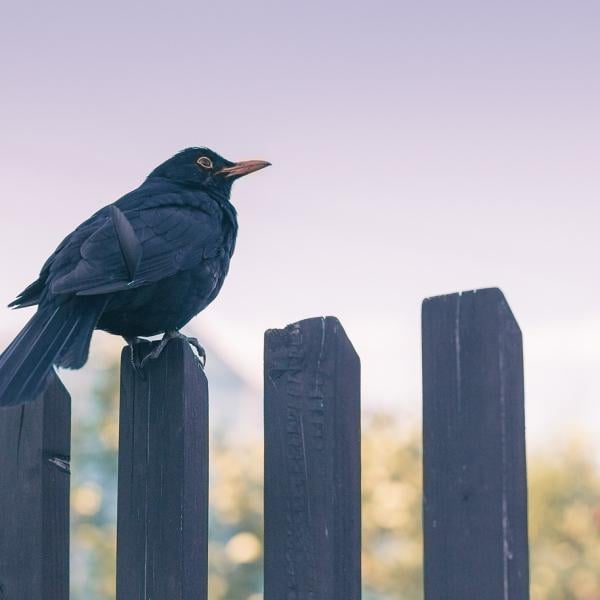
{"points": [[142, 266]]}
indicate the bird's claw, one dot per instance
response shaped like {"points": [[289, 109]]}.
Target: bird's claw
{"points": [[135, 361], [170, 335], [192, 341]]}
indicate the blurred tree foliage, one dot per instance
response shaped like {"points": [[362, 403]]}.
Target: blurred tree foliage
{"points": [[564, 524], [564, 512], [94, 447]]}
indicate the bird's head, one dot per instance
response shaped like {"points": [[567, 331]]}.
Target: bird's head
{"points": [[204, 168]]}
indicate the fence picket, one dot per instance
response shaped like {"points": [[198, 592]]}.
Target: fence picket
{"points": [[35, 441], [312, 463], [475, 490], [163, 478]]}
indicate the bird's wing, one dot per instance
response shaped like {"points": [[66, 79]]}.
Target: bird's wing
{"points": [[133, 248], [129, 243], [61, 261]]}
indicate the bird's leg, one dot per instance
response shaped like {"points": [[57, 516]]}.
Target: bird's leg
{"points": [[171, 335], [132, 342], [192, 341], [157, 351]]}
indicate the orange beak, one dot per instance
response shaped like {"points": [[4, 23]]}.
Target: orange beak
{"points": [[244, 168]]}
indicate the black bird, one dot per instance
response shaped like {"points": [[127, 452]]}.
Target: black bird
{"points": [[142, 266]]}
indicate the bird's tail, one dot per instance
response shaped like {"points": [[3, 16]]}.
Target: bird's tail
{"points": [[59, 335]]}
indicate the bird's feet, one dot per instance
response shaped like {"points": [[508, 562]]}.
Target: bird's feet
{"points": [[171, 335], [136, 363]]}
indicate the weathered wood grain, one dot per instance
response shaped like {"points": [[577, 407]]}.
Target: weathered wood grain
{"points": [[35, 440], [163, 478], [312, 463]]}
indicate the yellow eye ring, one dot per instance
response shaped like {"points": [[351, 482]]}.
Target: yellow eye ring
{"points": [[205, 162]]}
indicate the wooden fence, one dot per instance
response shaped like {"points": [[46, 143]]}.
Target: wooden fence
{"points": [[475, 498]]}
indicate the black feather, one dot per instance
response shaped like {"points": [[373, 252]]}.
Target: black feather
{"points": [[130, 246], [58, 334]]}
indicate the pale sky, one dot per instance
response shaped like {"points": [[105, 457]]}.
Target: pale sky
{"points": [[417, 149]]}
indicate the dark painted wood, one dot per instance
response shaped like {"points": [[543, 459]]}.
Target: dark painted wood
{"points": [[312, 463], [163, 478], [475, 490], [35, 441]]}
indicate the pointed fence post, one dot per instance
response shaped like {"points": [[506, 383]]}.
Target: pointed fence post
{"points": [[312, 463], [475, 489], [163, 478], [35, 441]]}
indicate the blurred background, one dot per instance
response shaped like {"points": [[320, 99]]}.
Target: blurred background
{"points": [[417, 149]]}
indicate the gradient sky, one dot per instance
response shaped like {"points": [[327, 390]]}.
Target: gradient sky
{"points": [[417, 149]]}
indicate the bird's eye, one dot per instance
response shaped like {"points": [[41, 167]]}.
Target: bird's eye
{"points": [[205, 162]]}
